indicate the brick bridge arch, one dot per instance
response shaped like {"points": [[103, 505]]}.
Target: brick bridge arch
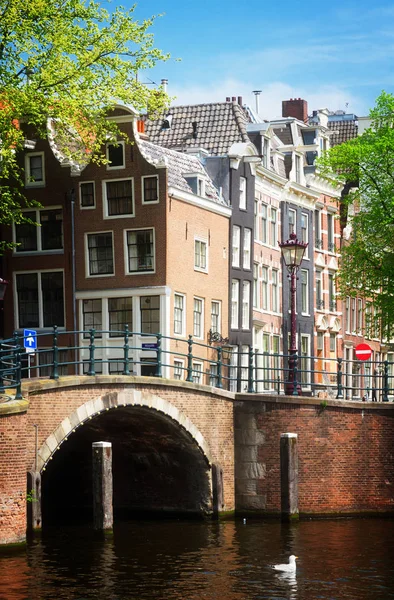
{"points": [[111, 401]]}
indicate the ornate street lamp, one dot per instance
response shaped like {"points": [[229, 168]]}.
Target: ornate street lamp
{"points": [[292, 252]]}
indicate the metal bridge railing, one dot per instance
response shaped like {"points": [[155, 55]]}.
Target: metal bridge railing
{"points": [[135, 353]]}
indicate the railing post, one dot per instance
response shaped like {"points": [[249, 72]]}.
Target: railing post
{"points": [[250, 371], [189, 359], [55, 362], [159, 353], [18, 367], [339, 380], [92, 348], [219, 380], [295, 372], [126, 369], [385, 394]]}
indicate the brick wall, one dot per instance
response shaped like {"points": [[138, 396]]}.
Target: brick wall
{"points": [[345, 455], [12, 472]]}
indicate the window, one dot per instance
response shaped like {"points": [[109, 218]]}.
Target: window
{"points": [[198, 318], [92, 317], [215, 316], [179, 314], [255, 285], [197, 372], [47, 236], [116, 156], [347, 314], [40, 299], [319, 290], [360, 316], [275, 290], [304, 230], [234, 303], [297, 168], [256, 220], [305, 374], [320, 342], [333, 343], [354, 316], [86, 194], [242, 193], [200, 255], [236, 246], [292, 221], [304, 291], [264, 288], [247, 248], [274, 235], [150, 189], [119, 197], [34, 169], [318, 237], [120, 311], [266, 152], [264, 224], [140, 251], [266, 361], [100, 254], [331, 292], [330, 233], [178, 369], [246, 305], [244, 359], [150, 314]]}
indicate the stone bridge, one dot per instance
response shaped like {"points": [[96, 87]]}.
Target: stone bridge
{"points": [[187, 448]]}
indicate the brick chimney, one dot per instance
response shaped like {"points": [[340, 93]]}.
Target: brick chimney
{"points": [[295, 107]]}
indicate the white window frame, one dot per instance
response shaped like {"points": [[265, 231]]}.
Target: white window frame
{"points": [[197, 363], [38, 272], [331, 232], [256, 220], [87, 261], [183, 314], [126, 252], [81, 183], [38, 231], [304, 291], [305, 377], [235, 304], [264, 223], [264, 288], [305, 232], [116, 143], [149, 202], [247, 248], [199, 335], [236, 246], [275, 290], [274, 226], [242, 193], [201, 241], [179, 365], [256, 286], [218, 316], [28, 181], [292, 226], [246, 304], [105, 199]]}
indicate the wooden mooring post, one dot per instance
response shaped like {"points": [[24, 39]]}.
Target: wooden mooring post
{"points": [[289, 476], [102, 485]]}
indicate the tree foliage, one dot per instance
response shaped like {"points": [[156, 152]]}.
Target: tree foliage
{"points": [[69, 61], [366, 167]]}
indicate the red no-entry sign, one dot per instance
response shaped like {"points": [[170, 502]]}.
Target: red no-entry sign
{"points": [[363, 352]]}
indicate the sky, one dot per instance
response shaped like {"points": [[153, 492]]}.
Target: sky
{"points": [[337, 55]]}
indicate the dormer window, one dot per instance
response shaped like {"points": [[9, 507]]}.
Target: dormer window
{"points": [[197, 184], [116, 156], [34, 169]]}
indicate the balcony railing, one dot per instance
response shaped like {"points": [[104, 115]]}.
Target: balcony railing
{"points": [[134, 353]]}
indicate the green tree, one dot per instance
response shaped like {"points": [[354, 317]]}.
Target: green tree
{"points": [[366, 167], [70, 61]]}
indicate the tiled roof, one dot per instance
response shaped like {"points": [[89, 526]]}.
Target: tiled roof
{"points": [[218, 126], [344, 131], [178, 164]]}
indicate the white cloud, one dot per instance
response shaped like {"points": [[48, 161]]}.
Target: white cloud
{"points": [[270, 99]]}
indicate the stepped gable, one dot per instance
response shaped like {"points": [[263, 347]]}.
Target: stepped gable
{"points": [[218, 126], [178, 164]]}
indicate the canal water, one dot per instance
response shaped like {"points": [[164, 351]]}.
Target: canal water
{"points": [[196, 560]]}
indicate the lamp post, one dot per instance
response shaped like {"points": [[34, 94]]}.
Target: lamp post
{"points": [[3, 287], [292, 252]]}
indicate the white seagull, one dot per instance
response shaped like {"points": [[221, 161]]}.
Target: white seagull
{"points": [[287, 568]]}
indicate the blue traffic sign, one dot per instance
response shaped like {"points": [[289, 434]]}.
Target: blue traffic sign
{"points": [[30, 340], [149, 346]]}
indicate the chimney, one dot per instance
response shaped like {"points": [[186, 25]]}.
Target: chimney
{"points": [[164, 83], [233, 99], [257, 94], [296, 108], [228, 99], [240, 100]]}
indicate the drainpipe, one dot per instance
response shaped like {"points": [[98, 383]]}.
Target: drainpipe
{"points": [[72, 197]]}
